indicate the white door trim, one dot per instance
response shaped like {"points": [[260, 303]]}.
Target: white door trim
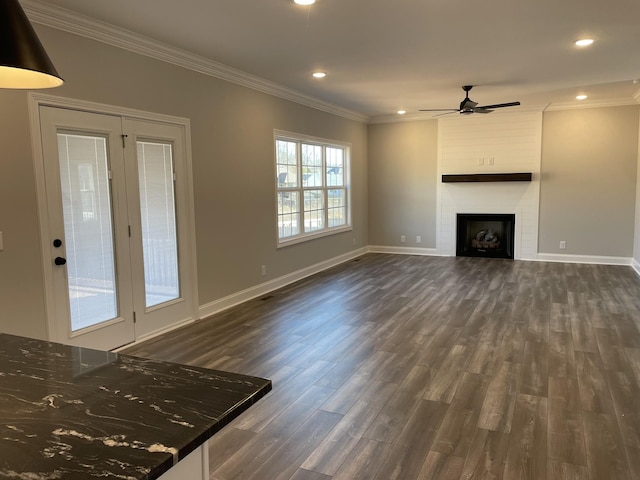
{"points": [[35, 101]]}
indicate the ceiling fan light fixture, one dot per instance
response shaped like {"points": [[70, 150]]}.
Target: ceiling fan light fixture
{"points": [[24, 63], [304, 2], [584, 42]]}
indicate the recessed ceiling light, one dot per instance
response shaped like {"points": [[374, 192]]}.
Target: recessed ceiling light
{"points": [[319, 74], [401, 112], [581, 97], [305, 2], [584, 42]]}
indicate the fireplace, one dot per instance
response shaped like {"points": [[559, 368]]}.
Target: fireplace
{"points": [[485, 235]]}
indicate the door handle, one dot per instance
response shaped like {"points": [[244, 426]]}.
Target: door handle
{"points": [[60, 261]]}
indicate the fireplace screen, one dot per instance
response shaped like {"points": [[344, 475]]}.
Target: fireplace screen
{"points": [[485, 235]]}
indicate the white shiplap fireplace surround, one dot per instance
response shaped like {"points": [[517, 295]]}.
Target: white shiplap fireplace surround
{"points": [[494, 143]]}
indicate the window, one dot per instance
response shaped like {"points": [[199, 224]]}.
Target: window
{"points": [[312, 187]]}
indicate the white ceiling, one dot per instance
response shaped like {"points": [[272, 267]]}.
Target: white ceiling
{"points": [[382, 55]]}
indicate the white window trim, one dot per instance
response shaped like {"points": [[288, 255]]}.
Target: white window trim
{"points": [[327, 231]]}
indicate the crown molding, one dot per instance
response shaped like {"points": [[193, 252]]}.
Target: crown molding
{"points": [[76, 24], [635, 100]]}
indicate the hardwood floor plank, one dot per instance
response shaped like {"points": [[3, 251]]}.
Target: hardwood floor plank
{"points": [[302, 474], [584, 338], [273, 404], [565, 471], [444, 384], [226, 444], [363, 461], [626, 401], [535, 369], [288, 457], [594, 391], [499, 403], [438, 466], [459, 424], [527, 453], [633, 355], [512, 345], [606, 455], [559, 318], [565, 436], [562, 359], [332, 451], [487, 455], [408, 453]]}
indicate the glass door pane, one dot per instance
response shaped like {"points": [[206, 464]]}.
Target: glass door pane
{"points": [[158, 218], [88, 227]]}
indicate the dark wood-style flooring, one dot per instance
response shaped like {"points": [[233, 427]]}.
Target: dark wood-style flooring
{"points": [[406, 367]]}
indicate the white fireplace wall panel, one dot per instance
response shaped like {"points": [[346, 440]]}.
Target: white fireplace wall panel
{"points": [[493, 143]]}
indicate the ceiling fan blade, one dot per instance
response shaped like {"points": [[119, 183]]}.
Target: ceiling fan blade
{"points": [[481, 110], [447, 113], [500, 105], [439, 110]]}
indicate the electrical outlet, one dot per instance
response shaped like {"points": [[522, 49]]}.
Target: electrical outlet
{"points": [[418, 239], [263, 270], [491, 161], [403, 238], [481, 161], [563, 244]]}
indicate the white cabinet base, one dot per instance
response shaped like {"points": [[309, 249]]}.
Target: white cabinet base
{"points": [[195, 466]]}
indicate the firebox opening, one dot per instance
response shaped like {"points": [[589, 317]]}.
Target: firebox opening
{"points": [[485, 235]]}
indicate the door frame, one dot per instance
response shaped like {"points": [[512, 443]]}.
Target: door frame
{"points": [[35, 101]]}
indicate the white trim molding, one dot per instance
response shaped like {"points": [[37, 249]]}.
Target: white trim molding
{"points": [[427, 252], [84, 26], [586, 259], [636, 266]]}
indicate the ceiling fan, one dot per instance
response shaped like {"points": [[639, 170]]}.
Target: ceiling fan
{"points": [[468, 106]]}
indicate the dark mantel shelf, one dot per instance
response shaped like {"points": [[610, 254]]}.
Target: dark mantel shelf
{"points": [[487, 177]]}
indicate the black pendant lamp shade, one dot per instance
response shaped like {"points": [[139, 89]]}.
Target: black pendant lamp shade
{"points": [[23, 60]]}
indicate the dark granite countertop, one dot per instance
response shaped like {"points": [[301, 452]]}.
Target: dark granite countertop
{"points": [[77, 413]]}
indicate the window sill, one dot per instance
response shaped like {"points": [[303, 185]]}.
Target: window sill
{"points": [[312, 236]]}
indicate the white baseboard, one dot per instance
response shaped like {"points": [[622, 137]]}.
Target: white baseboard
{"points": [[587, 259], [237, 298], [156, 333], [404, 250], [636, 266]]}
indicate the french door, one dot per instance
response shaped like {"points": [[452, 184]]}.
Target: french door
{"points": [[119, 242]]}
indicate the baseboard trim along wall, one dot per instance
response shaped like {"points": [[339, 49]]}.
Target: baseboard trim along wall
{"points": [[588, 259], [234, 299], [636, 266], [432, 252]]}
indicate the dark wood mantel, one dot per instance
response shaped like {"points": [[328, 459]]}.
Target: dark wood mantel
{"points": [[487, 177]]}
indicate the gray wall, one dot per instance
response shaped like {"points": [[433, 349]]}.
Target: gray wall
{"points": [[588, 181], [232, 142], [403, 162]]}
